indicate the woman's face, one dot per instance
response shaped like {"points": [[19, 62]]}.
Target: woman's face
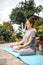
{"points": [[28, 24]]}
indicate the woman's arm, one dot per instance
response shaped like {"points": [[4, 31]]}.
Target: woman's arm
{"points": [[29, 42], [21, 42], [25, 45], [17, 43], [32, 36]]}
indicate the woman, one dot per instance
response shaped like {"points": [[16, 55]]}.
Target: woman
{"points": [[28, 41]]}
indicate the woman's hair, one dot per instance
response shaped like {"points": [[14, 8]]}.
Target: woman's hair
{"points": [[31, 20]]}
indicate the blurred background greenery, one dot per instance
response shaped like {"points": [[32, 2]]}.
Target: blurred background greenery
{"points": [[19, 15]]}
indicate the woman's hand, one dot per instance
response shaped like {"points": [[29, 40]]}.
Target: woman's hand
{"points": [[13, 44], [19, 47]]}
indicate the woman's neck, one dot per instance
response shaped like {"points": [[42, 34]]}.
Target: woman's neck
{"points": [[30, 28]]}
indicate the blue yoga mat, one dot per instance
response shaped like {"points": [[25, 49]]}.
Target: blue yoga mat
{"points": [[10, 50], [30, 59]]}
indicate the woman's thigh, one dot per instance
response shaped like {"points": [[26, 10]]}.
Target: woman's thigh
{"points": [[26, 51]]}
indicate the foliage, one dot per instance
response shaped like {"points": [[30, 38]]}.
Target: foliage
{"points": [[20, 17], [17, 16], [19, 35], [24, 10], [6, 32], [39, 27], [39, 21], [40, 32]]}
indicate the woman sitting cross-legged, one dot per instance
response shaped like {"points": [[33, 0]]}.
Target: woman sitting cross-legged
{"points": [[28, 41]]}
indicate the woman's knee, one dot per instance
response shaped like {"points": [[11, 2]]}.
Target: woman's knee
{"points": [[21, 52], [24, 52]]}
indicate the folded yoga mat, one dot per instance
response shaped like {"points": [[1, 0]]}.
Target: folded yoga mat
{"points": [[30, 59]]}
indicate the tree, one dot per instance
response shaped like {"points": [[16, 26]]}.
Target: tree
{"points": [[29, 8], [20, 17], [25, 10], [17, 16]]}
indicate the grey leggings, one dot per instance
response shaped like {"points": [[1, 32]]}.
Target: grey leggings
{"points": [[26, 51]]}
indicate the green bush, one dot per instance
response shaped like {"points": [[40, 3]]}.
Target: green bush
{"points": [[40, 32], [19, 35], [39, 21], [6, 32]]}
